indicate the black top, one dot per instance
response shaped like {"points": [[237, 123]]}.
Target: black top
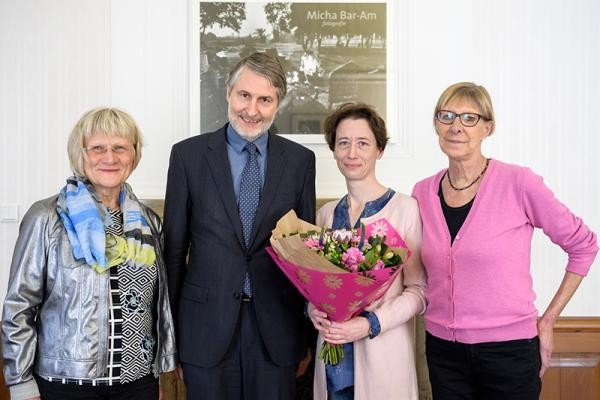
{"points": [[455, 216]]}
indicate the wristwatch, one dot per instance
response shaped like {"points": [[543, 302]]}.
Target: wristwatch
{"points": [[374, 327]]}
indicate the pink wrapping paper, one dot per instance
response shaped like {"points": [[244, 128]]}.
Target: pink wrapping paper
{"points": [[340, 294]]}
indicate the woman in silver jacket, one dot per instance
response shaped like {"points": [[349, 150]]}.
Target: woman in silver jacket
{"points": [[87, 313]]}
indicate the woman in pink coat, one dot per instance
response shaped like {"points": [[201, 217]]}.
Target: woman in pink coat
{"points": [[379, 361]]}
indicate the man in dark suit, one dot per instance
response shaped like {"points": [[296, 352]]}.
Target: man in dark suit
{"points": [[241, 327]]}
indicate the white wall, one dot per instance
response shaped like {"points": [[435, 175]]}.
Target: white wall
{"points": [[538, 58]]}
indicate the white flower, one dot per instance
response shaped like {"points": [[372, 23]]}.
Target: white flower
{"points": [[342, 235]]}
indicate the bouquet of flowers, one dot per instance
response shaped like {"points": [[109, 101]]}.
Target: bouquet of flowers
{"points": [[341, 272]]}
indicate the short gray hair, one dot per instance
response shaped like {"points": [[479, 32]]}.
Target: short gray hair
{"points": [[110, 121], [265, 65]]}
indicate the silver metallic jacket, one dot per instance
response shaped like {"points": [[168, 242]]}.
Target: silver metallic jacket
{"points": [[55, 317]]}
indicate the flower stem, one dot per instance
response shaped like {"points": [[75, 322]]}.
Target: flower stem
{"points": [[331, 354]]}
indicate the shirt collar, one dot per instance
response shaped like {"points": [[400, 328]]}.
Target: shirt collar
{"points": [[237, 142], [341, 217]]}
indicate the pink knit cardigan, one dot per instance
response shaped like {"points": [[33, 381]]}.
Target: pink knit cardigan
{"points": [[480, 288]]}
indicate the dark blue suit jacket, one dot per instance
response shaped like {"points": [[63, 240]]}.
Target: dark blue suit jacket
{"points": [[201, 216]]}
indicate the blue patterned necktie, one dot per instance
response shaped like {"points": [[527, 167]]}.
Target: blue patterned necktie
{"points": [[248, 200]]}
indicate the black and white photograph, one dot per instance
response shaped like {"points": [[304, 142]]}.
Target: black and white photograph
{"points": [[332, 53]]}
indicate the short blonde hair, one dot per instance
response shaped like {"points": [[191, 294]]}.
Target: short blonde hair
{"points": [[110, 121], [472, 92]]}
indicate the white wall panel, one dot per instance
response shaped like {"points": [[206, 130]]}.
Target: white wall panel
{"points": [[538, 58], [149, 78], [54, 66]]}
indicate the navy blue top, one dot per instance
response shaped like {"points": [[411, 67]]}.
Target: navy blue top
{"points": [[341, 376], [238, 157]]}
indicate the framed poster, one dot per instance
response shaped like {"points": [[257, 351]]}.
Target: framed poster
{"points": [[333, 52]]}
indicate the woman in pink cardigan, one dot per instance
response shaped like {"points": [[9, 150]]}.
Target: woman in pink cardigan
{"points": [[379, 360], [484, 339]]}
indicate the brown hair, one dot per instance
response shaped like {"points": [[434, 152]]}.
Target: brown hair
{"points": [[356, 111]]}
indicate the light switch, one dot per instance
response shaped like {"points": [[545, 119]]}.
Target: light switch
{"points": [[9, 213]]}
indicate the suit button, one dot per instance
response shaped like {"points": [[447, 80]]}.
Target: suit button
{"points": [[248, 258], [237, 295]]}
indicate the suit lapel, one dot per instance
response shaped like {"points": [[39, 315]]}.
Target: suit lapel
{"points": [[276, 162], [218, 163]]}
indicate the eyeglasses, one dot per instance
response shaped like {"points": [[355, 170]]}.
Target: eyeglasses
{"points": [[467, 119], [100, 149]]}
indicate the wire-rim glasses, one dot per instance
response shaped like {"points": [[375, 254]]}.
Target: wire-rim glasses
{"points": [[100, 150]]}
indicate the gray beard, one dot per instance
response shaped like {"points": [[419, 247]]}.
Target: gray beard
{"points": [[249, 136]]}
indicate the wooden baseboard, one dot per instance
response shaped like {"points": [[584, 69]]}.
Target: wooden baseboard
{"points": [[577, 335], [575, 366]]}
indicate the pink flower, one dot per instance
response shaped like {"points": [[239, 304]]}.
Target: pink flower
{"points": [[379, 228], [379, 265], [312, 243], [352, 257]]}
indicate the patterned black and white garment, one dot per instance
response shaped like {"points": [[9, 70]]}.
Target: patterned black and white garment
{"points": [[131, 336]]}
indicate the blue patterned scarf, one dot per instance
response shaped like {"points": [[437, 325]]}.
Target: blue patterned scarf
{"points": [[84, 217]]}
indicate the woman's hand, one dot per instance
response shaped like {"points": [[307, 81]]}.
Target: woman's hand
{"points": [[346, 332], [179, 372], [545, 325], [546, 336], [319, 319]]}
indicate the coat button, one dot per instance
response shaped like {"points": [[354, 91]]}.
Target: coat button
{"points": [[236, 295], [248, 258]]}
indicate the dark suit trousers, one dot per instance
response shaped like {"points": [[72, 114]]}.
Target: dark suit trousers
{"points": [[245, 373]]}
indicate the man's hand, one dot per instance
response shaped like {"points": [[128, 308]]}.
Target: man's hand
{"points": [[303, 365]]}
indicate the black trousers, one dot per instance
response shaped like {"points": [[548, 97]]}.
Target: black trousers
{"points": [[143, 389], [245, 373], [484, 371]]}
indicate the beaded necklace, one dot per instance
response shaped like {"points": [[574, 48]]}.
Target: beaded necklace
{"points": [[487, 162]]}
